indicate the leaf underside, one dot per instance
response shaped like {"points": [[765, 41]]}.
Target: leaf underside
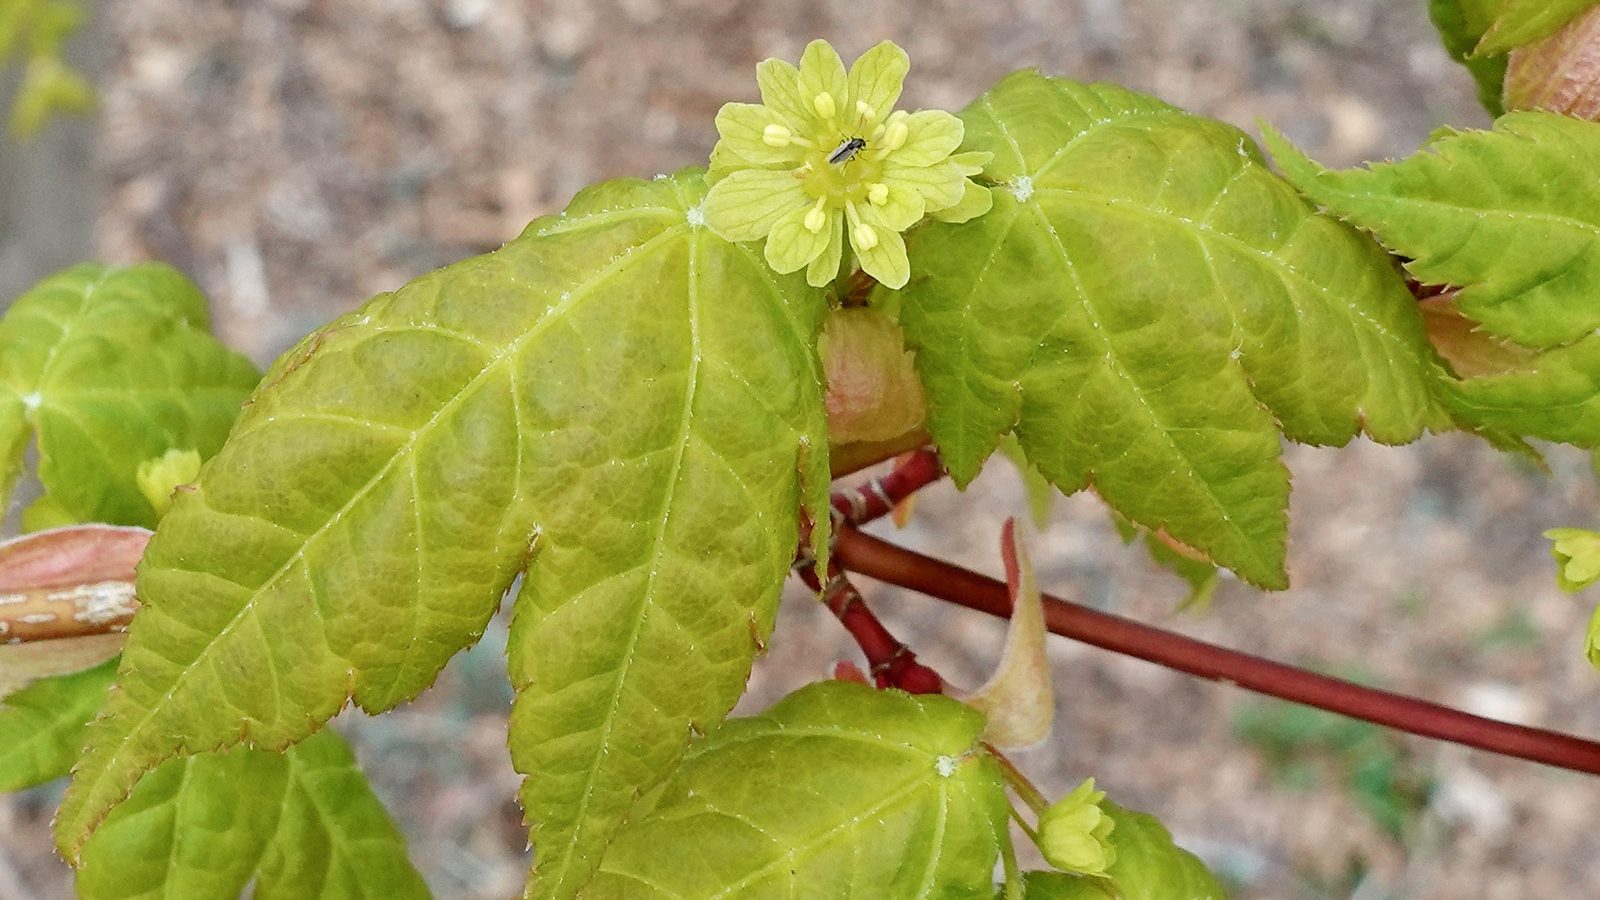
{"points": [[106, 368], [42, 725], [837, 791], [1512, 217], [1148, 307], [639, 394], [303, 824]]}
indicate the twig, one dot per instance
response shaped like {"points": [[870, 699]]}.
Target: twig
{"points": [[878, 559], [890, 662], [878, 497]]}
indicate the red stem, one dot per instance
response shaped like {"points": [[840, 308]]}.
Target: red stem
{"points": [[881, 560], [890, 662], [878, 497]]}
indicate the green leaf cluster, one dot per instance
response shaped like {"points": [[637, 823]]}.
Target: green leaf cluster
{"points": [[1150, 310], [108, 367], [618, 392], [627, 409]]}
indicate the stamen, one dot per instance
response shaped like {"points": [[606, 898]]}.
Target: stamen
{"points": [[776, 136], [878, 193], [861, 234], [824, 105], [817, 218], [864, 114], [895, 137]]}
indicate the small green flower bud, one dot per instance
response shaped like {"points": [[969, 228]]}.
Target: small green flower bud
{"points": [[1074, 833]]}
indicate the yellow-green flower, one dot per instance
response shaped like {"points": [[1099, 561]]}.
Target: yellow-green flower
{"points": [[1074, 833], [161, 475], [826, 154]]}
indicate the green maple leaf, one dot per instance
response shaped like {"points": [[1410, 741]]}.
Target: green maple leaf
{"points": [[1512, 217], [42, 725], [106, 368], [303, 824], [836, 791], [637, 393], [1148, 307]]}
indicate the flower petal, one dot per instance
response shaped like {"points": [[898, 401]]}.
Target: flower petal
{"points": [[822, 72], [972, 162], [933, 135], [792, 245], [975, 201], [779, 81], [825, 267], [939, 184], [724, 160], [886, 259], [876, 78], [743, 127], [904, 207], [745, 205]]}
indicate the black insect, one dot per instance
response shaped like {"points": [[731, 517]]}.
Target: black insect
{"points": [[846, 150]]}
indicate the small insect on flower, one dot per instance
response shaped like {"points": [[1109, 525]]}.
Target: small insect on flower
{"points": [[826, 165], [846, 150]]}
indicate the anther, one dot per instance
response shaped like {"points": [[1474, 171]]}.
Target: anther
{"points": [[816, 218], [824, 105], [895, 137], [776, 136]]}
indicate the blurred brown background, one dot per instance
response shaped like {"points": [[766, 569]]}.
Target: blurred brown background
{"points": [[297, 156]]}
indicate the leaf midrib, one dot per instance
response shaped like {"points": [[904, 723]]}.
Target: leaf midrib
{"points": [[690, 391]]}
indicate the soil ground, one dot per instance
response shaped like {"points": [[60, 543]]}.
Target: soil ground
{"points": [[298, 156]]}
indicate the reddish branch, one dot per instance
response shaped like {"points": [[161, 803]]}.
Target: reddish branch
{"points": [[890, 662], [878, 559], [876, 498]]}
